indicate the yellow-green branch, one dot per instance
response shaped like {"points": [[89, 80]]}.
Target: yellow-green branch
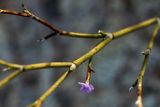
{"points": [[9, 78], [133, 28], [36, 65], [41, 99], [24, 68]]}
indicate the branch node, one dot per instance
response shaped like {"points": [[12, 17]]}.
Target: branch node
{"points": [[28, 13], [72, 67], [25, 10], [105, 34], [21, 68], [146, 51]]}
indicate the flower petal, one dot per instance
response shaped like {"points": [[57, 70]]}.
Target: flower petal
{"points": [[86, 87]]}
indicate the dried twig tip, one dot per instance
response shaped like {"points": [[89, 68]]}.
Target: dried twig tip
{"points": [[47, 37], [133, 85]]}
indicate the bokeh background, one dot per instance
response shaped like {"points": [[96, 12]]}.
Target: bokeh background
{"points": [[116, 66]]}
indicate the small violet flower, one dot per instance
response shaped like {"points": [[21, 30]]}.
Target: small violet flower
{"points": [[86, 87]]}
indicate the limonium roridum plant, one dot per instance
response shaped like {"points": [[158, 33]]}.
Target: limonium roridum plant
{"points": [[86, 87]]}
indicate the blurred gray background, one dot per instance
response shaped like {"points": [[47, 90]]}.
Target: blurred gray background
{"points": [[116, 66]]}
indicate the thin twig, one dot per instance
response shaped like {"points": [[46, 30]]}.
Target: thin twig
{"points": [[27, 13], [144, 65], [36, 65]]}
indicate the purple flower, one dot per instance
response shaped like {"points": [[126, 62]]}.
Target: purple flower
{"points": [[86, 87]]}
